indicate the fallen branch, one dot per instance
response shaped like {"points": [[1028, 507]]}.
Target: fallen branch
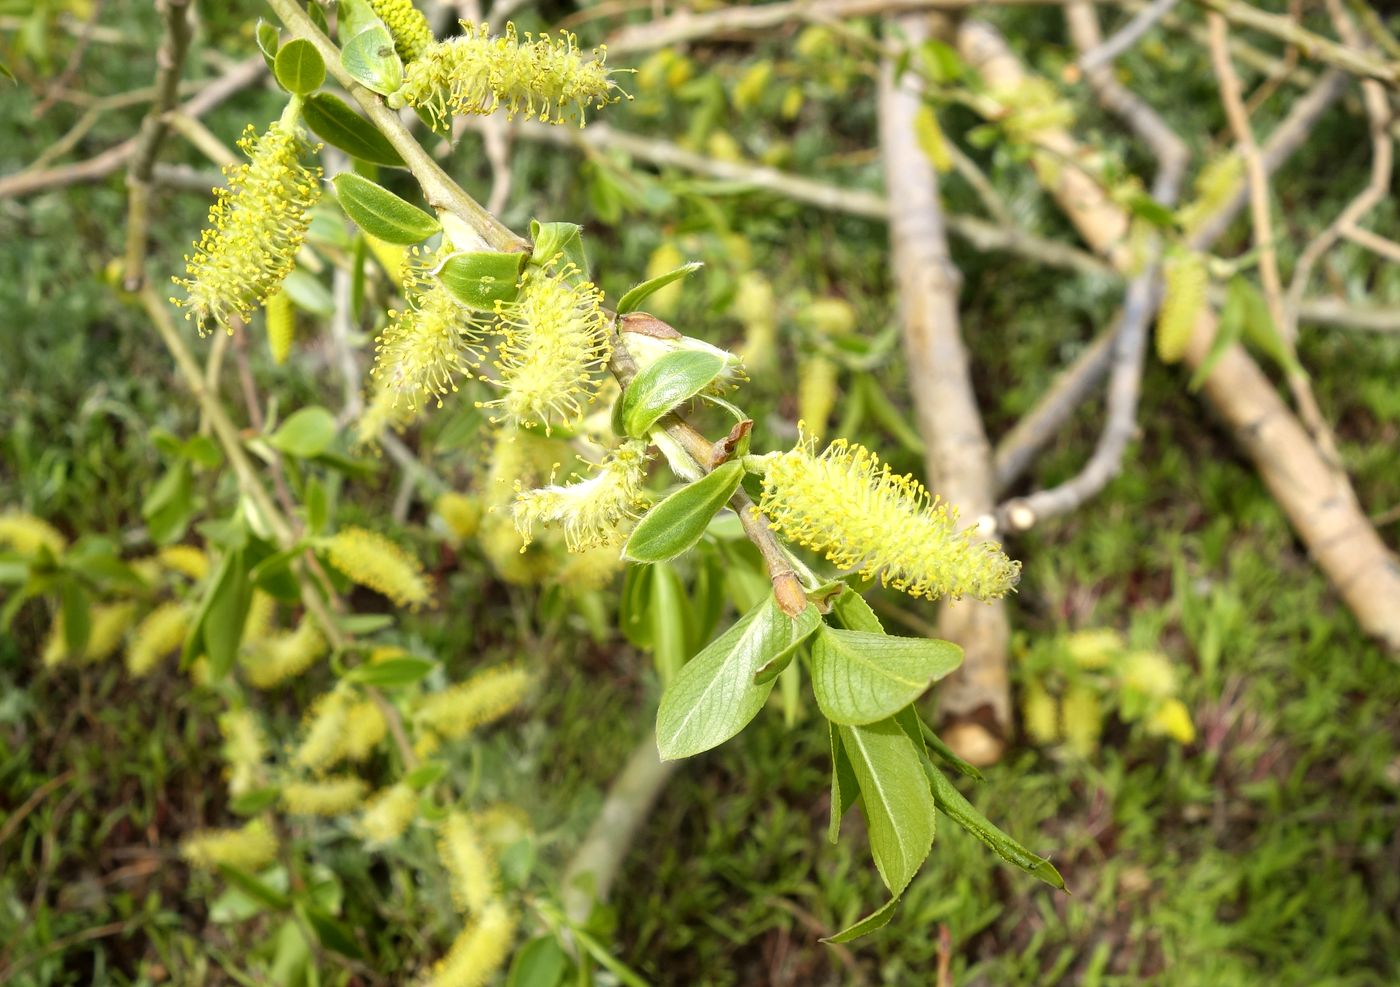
{"points": [[1320, 503], [975, 701]]}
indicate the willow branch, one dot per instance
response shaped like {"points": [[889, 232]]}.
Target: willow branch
{"points": [[1103, 54], [1312, 45]]}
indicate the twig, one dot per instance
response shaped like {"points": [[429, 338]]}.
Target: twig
{"points": [[1337, 313], [1372, 24], [75, 59], [1373, 242], [686, 25], [1309, 43], [1374, 192], [1257, 183], [170, 60], [1103, 54], [958, 457], [94, 169]]}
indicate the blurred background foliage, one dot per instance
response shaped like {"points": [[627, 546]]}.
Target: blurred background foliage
{"points": [[1261, 847]]}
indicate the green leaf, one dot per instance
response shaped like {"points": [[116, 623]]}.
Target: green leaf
{"points": [[859, 677], [168, 507], [307, 432], [381, 213], [672, 380], [844, 787], [224, 613], [854, 613], [899, 810], [251, 803], [804, 625], [299, 67], [1258, 324], [539, 963], [667, 615], [1146, 207], [936, 744], [424, 775], [360, 624], [631, 301], [331, 119], [77, 617], [370, 59], [268, 38], [391, 672], [1228, 330], [713, 696], [675, 525], [331, 933], [956, 806], [255, 888], [480, 280], [308, 293], [558, 241], [876, 920], [354, 17]]}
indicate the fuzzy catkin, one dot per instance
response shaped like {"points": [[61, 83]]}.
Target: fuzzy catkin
{"points": [[478, 951], [158, 635], [249, 848], [27, 534], [554, 349], [281, 320], [256, 226], [327, 797], [593, 511], [245, 751], [1186, 281], [860, 515], [541, 77], [370, 559], [484, 698], [406, 24], [388, 814], [280, 657], [470, 869], [189, 561]]}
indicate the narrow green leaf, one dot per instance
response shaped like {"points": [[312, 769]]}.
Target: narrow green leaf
{"points": [[672, 380], [675, 525], [844, 787], [962, 812], [361, 624], [77, 617], [713, 696], [251, 803], [541, 962], [170, 504], [1228, 331], [482, 279], [804, 625], [876, 920], [306, 433], [308, 293], [269, 39], [381, 213], [667, 615], [631, 301], [370, 59], [299, 67], [391, 673], [899, 810], [1258, 324], [859, 677], [424, 775], [221, 625], [936, 744], [331, 119], [558, 241], [331, 933]]}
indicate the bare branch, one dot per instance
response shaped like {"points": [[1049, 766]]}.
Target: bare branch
{"points": [[1310, 44]]}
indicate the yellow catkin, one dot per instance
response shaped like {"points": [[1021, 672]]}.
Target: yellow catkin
{"points": [[406, 24], [189, 561], [427, 345], [245, 751], [484, 698], [370, 559], [388, 814], [280, 317], [461, 513], [1040, 713], [248, 848], [27, 534], [162, 632], [470, 869], [1173, 719], [383, 412], [1216, 185], [110, 622], [327, 797], [1149, 672], [256, 226], [592, 512], [365, 729], [1081, 719], [590, 570], [857, 512], [1184, 298], [478, 952], [262, 609], [542, 77], [323, 737], [55, 649], [280, 657], [816, 392], [1093, 648], [756, 306], [554, 348]]}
